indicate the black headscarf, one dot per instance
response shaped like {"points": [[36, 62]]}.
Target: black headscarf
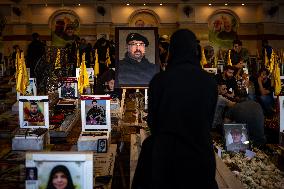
{"points": [[183, 49]]}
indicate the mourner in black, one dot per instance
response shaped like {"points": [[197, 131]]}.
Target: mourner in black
{"points": [[135, 69], [179, 153]]}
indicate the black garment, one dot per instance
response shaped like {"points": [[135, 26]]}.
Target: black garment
{"points": [[266, 85], [250, 113], [133, 73], [182, 102], [235, 57], [230, 83], [35, 51]]}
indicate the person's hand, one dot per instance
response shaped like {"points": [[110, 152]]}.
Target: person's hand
{"points": [[260, 79], [240, 65]]}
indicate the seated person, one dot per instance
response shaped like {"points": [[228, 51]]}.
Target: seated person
{"points": [[249, 112], [237, 144], [264, 92], [227, 77], [222, 103]]}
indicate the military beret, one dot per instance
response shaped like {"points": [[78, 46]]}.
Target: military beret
{"points": [[236, 130], [137, 37]]}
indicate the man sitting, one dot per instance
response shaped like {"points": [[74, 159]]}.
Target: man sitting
{"points": [[222, 103], [248, 112], [227, 77]]}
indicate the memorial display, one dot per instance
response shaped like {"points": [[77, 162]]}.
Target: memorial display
{"points": [[45, 169], [236, 137], [96, 122], [137, 60], [69, 88]]}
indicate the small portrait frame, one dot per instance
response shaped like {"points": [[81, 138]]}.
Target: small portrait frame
{"points": [[31, 89], [102, 145], [90, 72], [69, 89], [236, 137], [281, 103], [146, 41], [77, 167], [33, 112], [31, 173], [95, 113]]}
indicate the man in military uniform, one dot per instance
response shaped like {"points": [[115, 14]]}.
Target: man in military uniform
{"points": [[135, 69], [237, 144], [96, 115]]}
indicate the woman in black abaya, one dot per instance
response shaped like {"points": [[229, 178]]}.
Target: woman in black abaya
{"points": [[179, 153]]}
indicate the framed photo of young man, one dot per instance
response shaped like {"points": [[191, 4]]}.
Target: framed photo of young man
{"points": [[137, 59], [236, 137], [95, 112], [33, 112], [69, 89]]}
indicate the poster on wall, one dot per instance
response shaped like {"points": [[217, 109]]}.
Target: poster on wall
{"points": [[223, 25], [64, 27]]}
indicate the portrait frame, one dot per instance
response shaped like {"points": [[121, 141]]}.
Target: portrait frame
{"points": [[74, 85], [281, 106], [32, 90], [79, 165], [24, 109], [151, 52], [104, 150], [103, 123], [90, 72], [244, 139], [30, 170]]}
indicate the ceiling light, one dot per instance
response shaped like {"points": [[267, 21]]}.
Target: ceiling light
{"points": [[127, 4], [243, 4], [161, 4], [226, 4], [79, 4], [209, 4], [144, 4]]}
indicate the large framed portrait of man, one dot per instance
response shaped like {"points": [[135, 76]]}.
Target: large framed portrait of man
{"points": [[137, 59], [60, 170], [95, 112], [33, 112], [236, 137]]}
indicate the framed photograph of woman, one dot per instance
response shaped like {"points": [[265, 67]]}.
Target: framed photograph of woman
{"points": [[95, 112], [137, 59], [33, 112], [236, 137], [60, 170], [69, 89]]}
